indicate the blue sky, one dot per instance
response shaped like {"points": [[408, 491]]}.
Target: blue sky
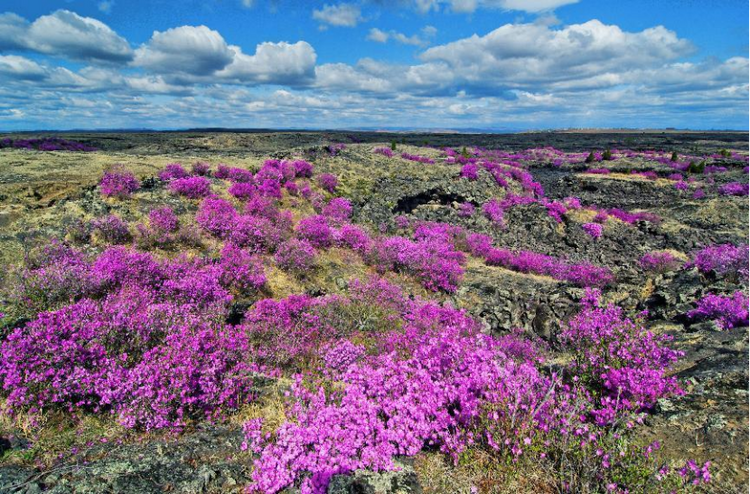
{"points": [[492, 64]]}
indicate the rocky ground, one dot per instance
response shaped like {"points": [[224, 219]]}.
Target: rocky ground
{"points": [[43, 193]]}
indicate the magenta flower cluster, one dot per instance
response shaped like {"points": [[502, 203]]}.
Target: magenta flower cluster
{"points": [[191, 187], [594, 230], [118, 182], [659, 262], [728, 312], [722, 260]]}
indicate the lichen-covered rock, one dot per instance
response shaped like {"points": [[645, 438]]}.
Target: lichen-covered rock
{"points": [[403, 481]]}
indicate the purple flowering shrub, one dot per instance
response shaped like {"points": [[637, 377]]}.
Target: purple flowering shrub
{"points": [[52, 275], [466, 210], [111, 229], [494, 211], [118, 182], [338, 209], [418, 158], [439, 383], [734, 189], [724, 260], [328, 182], [46, 144], [353, 237], [582, 274], [387, 152], [191, 187], [173, 171], [624, 365], [470, 171], [435, 263], [201, 168], [728, 312], [295, 255], [315, 230], [217, 216], [659, 262], [594, 230], [241, 271]]}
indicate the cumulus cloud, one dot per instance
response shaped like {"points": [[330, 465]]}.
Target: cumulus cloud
{"points": [[193, 50], [519, 75], [380, 36], [20, 68], [12, 31], [272, 63], [69, 35], [64, 34], [520, 54], [470, 6], [341, 15]]}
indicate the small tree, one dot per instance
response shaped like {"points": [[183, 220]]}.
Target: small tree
{"points": [[465, 152], [674, 156], [590, 158], [393, 145], [696, 167], [607, 155]]}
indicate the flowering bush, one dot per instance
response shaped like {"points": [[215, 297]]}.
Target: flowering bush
{"points": [[201, 168], [112, 229], [191, 187], [52, 275], [164, 219], [384, 151], [295, 255], [593, 229], [417, 158], [659, 262], [240, 270], [435, 263], [734, 189], [243, 190], [217, 216], [118, 182], [620, 361], [353, 237], [338, 209], [722, 260], [173, 171], [493, 210], [255, 233], [585, 275], [328, 182], [315, 229], [728, 312], [470, 171], [466, 210]]}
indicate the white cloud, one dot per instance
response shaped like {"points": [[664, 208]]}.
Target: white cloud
{"points": [[12, 30], [67, 34], [515, 55], [341, 15], [470, 6], [248, 4], [106, 6], [21, 68], [272, 63], [191, 50], [380, 36]]}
